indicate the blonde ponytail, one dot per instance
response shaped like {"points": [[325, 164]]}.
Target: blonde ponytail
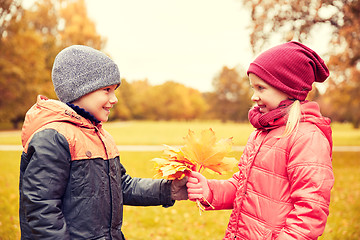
{"points": [[293, 119]]}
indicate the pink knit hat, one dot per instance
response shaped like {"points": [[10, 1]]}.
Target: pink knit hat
{"points": [[290, 67]]}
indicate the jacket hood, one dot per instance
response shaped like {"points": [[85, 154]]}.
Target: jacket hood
{"points": [[46, 111], [311, 113]]}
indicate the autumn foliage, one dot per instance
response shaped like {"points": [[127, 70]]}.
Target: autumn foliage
{"points": [[29, 42], [31, 38], [304, 21], [199, 152]]}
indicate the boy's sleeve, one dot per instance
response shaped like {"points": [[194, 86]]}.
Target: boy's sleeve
{"points": [[43, 185], [311, 176], [145, 191]]}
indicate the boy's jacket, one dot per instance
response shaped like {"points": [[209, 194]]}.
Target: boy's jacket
{"points": [[72, 184]]}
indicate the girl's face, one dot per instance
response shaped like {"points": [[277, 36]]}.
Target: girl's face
{"points": [[99, 102], [264, 95]]}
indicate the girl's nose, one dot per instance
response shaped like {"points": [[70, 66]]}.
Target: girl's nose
{"points": [[254, 97]]}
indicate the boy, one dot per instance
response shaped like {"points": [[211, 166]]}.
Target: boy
{"points": [[72, 184]]}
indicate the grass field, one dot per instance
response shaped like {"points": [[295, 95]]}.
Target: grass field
{"points": [[172, 132], [183, 221]]}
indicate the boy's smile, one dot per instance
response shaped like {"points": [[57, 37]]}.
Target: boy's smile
{"points": [[99, 102]]}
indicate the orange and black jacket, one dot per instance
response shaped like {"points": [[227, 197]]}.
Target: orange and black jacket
{"points": [[72, 184]]}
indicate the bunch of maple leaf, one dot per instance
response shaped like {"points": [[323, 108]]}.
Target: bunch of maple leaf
{"points": [[197, 154]]}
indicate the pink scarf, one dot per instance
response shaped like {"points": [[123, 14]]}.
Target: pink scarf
{"points": [[272, 119]]}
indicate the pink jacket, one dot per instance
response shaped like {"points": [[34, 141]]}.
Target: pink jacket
{"points": [[282, 189]]}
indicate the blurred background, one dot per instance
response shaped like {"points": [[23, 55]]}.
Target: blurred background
{"points": [[179, 60], [183, 66]]}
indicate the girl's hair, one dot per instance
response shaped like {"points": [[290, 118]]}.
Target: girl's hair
{"points": [[293, 119]]}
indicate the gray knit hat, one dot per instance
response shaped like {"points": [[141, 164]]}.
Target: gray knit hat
{"points": [[79, 70]]}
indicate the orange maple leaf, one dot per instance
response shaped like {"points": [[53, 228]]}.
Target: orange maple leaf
{"points": [[206, 152], [199, 153]]}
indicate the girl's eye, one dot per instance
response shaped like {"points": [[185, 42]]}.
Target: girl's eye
{"points": [[260, 88]]}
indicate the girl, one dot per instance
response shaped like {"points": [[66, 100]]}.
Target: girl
{"points": [[282, 188]]}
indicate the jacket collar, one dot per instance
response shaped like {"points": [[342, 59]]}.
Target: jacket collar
{"points": [[46, 111]]}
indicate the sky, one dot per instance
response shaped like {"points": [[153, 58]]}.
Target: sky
{"points": [[186, 41]]}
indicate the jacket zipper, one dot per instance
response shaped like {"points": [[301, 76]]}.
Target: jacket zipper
{"points": [[247, 177], [98, 133]]}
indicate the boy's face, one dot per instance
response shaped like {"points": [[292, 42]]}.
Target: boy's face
{"points": [[99, 102], [264, 95]]}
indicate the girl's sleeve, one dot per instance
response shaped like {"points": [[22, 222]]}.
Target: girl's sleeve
{"points": [[44, 173], [223, 192], [311, 176]]}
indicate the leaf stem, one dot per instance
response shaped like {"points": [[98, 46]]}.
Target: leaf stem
{"points": [[201, 169]]}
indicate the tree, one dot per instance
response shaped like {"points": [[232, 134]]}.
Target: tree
{"points": [[172, 100], [231, 99], [9, 10], [301, 20], [78, 28], [168, 101], [137, 99], [29, 42], [21, 67], [131, 100], [122, 110]]}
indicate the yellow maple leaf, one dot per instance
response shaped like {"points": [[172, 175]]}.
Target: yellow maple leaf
{"points": [[206, 152], [170, 169], [198, 153]]}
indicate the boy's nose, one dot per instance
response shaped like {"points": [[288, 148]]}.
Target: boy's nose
{"points": [[113, 99]]}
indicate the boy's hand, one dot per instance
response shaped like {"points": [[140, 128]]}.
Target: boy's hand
{"points": [[179, 190], [198, 188]]}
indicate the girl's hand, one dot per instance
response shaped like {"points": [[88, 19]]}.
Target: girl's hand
{"points": [[198, 188]]}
